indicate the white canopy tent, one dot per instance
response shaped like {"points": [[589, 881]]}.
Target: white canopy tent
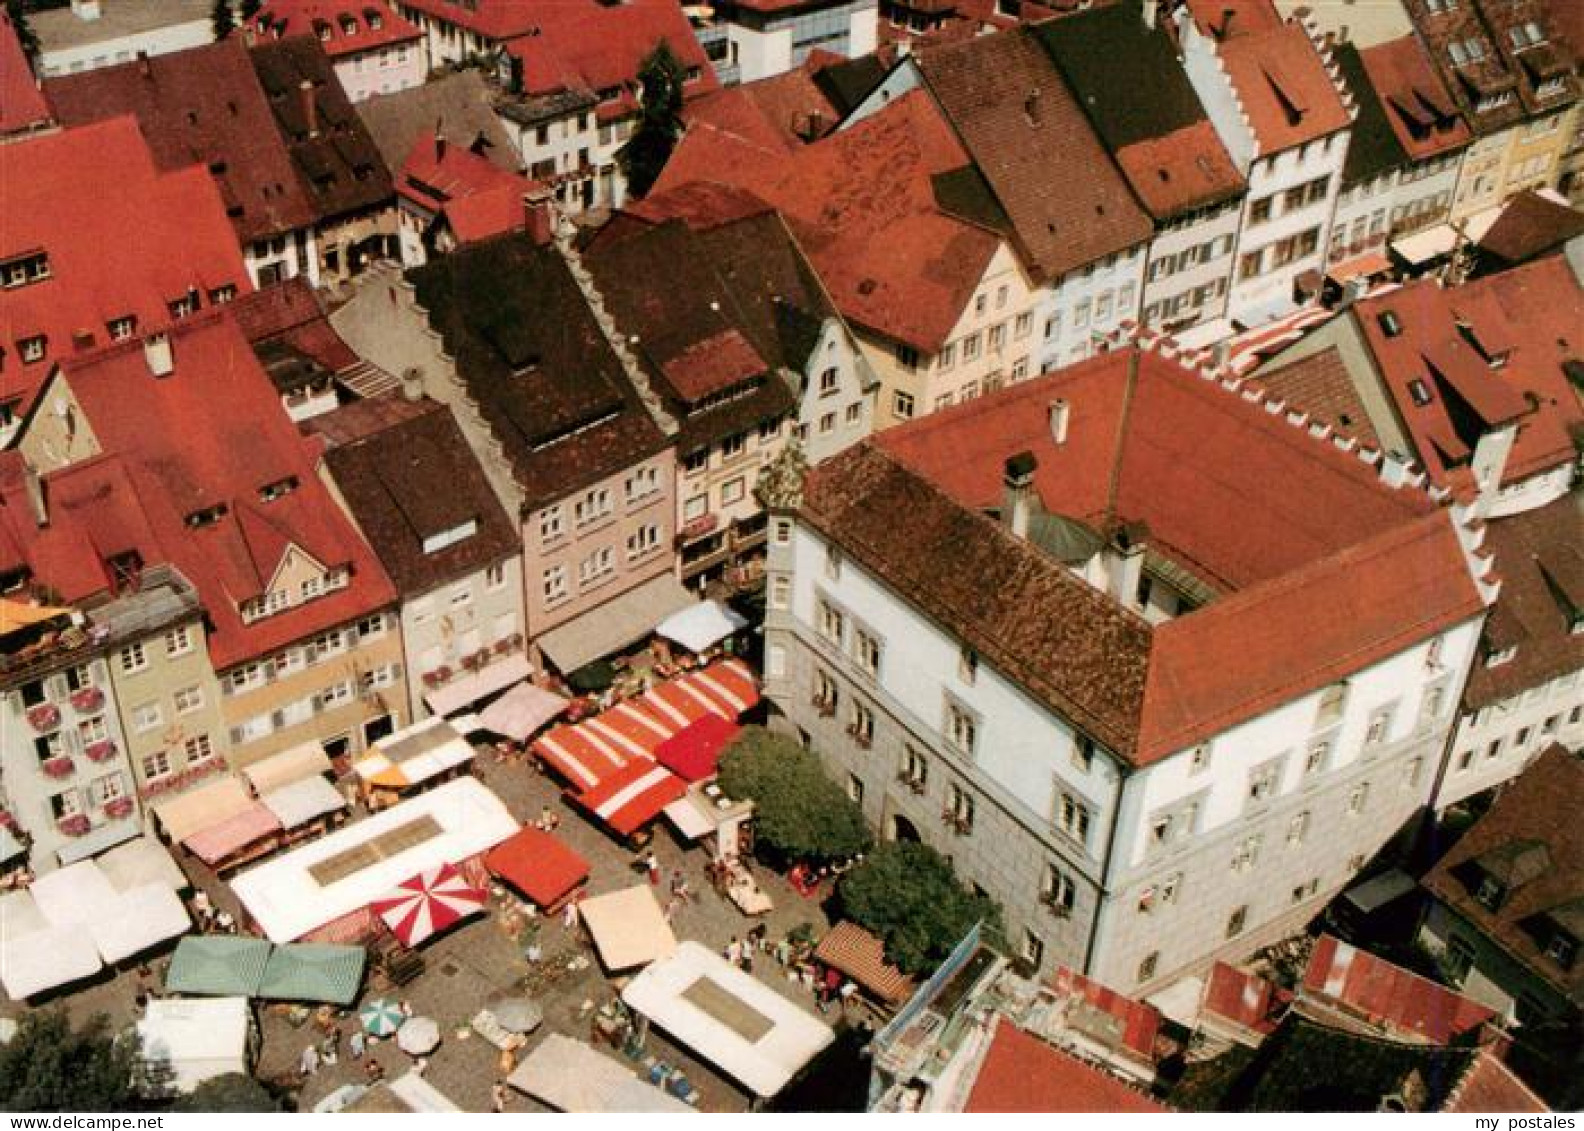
{"points": [[744, 1027], [141, 918], [572, 1077], [75, 895], [196, 1039], [628, 927], [305, 761], [141, 861], [35, 956], [303, 800], [203, 807], [699, 626], [292, 894], [416, 754]]}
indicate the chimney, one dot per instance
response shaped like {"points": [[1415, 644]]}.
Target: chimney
{"points": [[157, 353], [35, 494], [440, 147], [144, 67], [1019, 485], [85, 9], [1060, 416], [412, 383], [1226, 23], [310, 108], [539, 214]]}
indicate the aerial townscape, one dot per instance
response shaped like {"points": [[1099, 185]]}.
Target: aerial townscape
{"points": [[635, 556]]}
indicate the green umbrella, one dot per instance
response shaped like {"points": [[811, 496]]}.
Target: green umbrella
{"points": [[381, 1017]]}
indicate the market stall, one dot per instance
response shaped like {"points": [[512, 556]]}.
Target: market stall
{"points": [[521, 712], [693, 752], [313, 972], [631, 797], [424, 905], [418, 754], [141, 860], [849, 949], [572, 1077], [36, 956], [539, 865], [628, 927], [217, 966], [196, 1040], [729, 1017], [700, 626]]}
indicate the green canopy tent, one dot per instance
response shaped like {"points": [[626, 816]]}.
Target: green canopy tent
{"points": [[217, 966], [313, 972]]}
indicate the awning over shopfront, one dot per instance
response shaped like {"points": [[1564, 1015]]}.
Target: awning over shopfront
{"points": [[615, 624], [142, 861], [302, 801], [521, 711], [726, 688], [633, 796], [306, 761], [702, 624], [1423, 246], [1366, 265], [572, 1077], [628, 927], [414, 755], [36, 956], [849, 948], [217, 965], [140, 919], [469, 689], [538, 864], [216, 842], [729, 1017], [107, 835], [203, 807], [693, 751], [316, 972]]}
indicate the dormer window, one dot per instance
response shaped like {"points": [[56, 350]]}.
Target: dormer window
{"points": [[1333, 701], [33, 349], [967, 664], [348, 26], [1420, 392], [1389, 323], [208, 516], [120, 329], [278, 489], [375, 20], [1526, 34], [1491, 893], [25, 269], [1562, 949], [1496, 657]]}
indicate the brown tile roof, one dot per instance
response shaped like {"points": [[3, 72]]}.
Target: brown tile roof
{"points": [[1417, 105], [790, 108], [862, 203], [1210, 477], [289, 314], [336, 159], [1530, 225], [1321, 386], [1018, 120], [201, 106], [1347, 986], [533, 358], [1540, 808], [1540, 558], [389, 478], [457, 104], [1490, 1086], [861, 956], [1533, 311]]}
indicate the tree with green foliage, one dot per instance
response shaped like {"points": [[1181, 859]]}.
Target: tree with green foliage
{"points": [[222, 20], [905, 893], [17, 12], [232, 1092], [799, 813], [659, 120], [49, 1066]]}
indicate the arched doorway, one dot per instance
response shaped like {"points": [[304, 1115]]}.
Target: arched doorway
{"points": [[903, 829]]}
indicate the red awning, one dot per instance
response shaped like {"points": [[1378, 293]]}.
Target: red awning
{"points": [[580, 756], [214, 844], [430, 902], [632, 797], [694, 751], [537, 864]]}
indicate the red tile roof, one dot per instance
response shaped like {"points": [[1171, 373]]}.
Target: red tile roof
{"points": [[203, 106], [492, 19], [22, 104], [279, 18], [213, 433], [1538, 811], [863, 206], [1387, 997], [133, 251], [1321, 386], [289, 312], [1490, 1086], [1183, 170], [477, 197], [1418, 107], [1210, 479], [1535, 312], [1021, 1073], [1277, 72], [1243, 999], [780, 112], [1139, 1023]]}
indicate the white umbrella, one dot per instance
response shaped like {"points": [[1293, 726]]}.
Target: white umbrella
{"points": [[517, 1014], [418, 1036]]}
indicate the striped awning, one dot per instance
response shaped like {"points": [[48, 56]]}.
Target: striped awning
{"points": [[632, 797], [861, 956]]}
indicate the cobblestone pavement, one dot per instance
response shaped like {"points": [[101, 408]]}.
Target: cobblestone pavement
{"points": [[467, 965]]}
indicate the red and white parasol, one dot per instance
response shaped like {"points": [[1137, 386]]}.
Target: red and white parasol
{"points": [[429, 903]]}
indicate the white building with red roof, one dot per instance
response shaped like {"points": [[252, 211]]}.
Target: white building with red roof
{"points": [[1157, 710], [374, 50], [448, 195]]}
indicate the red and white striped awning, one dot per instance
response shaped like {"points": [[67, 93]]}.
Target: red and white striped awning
{"points": [[631, 798], [430, 902]]}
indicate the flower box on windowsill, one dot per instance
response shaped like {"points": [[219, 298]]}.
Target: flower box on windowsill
{"points": [[118, 807], [75, 825], [44, 717], [59, 766], [101, 751], [87, 699]]}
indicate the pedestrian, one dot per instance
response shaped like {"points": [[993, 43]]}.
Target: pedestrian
{"points": [[652, 864], [569, 914], [308, 1062], [733, 952], [373, 1071], [846, 993], [420, 1066], [330, 1048], [672, 906], [357, 1044], [406, 1008], [544, 819], [498, 1097], [555, 822]]}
